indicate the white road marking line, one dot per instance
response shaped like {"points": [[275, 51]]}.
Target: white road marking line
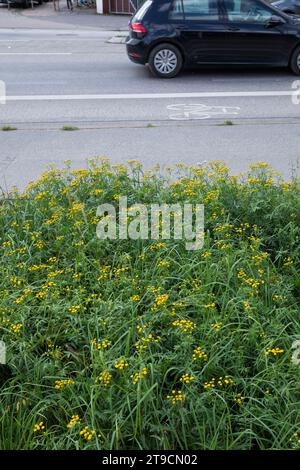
{"points": [[145, 96], [35, 53]]}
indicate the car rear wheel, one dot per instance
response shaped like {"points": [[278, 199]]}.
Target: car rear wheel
{"points": [[165, 61], [295, 61]]}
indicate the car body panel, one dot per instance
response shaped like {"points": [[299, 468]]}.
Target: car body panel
{"points": [[215, 42]]}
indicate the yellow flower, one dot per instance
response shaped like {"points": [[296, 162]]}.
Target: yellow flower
{"points": [[199, 354], [104, 344], [60, 384], [187, 378], [239, 399], [139, 375], [187, 326], [121, 364], [142, 343], [218, 382], [105, 377], [87, 433], [274, 351], [175, 396], [217, 325], [74, 420], [74, 308], [163, 264], [39, 427], [161, 299], [211, 305], [135, 298], [287, 262], [16, 328]]}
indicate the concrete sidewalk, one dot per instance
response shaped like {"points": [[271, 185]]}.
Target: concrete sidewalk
{"points": [[45, 17]]}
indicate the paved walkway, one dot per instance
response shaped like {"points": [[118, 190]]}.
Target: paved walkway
{"points": [[44, 17]]}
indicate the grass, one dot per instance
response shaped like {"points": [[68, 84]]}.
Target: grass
{"points": [[227, 123], [69, 128], [150, 345], [8, 127]]}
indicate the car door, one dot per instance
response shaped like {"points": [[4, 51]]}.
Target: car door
{"points": [[199, 29], [250, 38]]}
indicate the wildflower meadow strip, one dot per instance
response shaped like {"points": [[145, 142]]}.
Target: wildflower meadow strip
{"points": [[129, 344]]}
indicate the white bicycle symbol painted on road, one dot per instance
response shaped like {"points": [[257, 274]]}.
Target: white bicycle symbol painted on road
{"points": [[185, 112]]}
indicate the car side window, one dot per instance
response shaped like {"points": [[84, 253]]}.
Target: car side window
{"points": [[201, 10], [248, 11], [204, 10], [176, 12]]}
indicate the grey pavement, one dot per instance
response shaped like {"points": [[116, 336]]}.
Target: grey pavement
{"points": [[44, 17], [122, 112]]}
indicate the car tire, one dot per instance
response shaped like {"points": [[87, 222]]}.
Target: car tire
{"points": [[295, 61], [165, 61]]}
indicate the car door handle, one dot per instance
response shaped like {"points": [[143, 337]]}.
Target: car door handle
{"points": [[233, 28]]}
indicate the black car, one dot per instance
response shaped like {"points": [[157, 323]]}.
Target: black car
{"points": [[292, 7], [170, 34]]}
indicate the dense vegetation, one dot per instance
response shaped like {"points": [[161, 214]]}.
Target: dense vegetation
{"points": [[141, 344]]}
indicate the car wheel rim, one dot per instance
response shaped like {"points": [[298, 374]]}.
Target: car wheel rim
{"points": [[165, 61], [298, 61]]}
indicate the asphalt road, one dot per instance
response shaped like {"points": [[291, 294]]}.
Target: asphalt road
{"points": [[57, 78]]}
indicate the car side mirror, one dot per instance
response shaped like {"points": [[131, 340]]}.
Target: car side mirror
{"points": [[274, 21]]}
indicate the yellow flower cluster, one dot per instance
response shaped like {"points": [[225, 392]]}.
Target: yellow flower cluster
{"points": [[274, 351], [121, 364], [15, 281], [39, 427], [74, 308], [139, 375], [38, 267], [157, 246], [295, 440], [258, 259], [105, 377], [60, 384], [198, 354], [187, 378], [76, 207], [104, 344], [142, 343], [217, 325], [163, 264], [211, 305], [74, 420], [287, 262], [253, 283], [16, 328], [87, 433], [160, 301], [246, 305], [218, 382], [239, 399], [104, 273], [187, 326], [56, 273], [175, 396], [135, 298]]}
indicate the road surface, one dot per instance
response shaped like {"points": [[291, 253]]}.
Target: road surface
{"points": [[58, 78]]}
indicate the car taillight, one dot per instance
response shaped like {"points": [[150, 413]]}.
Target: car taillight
{"points": [[138, 28]]}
